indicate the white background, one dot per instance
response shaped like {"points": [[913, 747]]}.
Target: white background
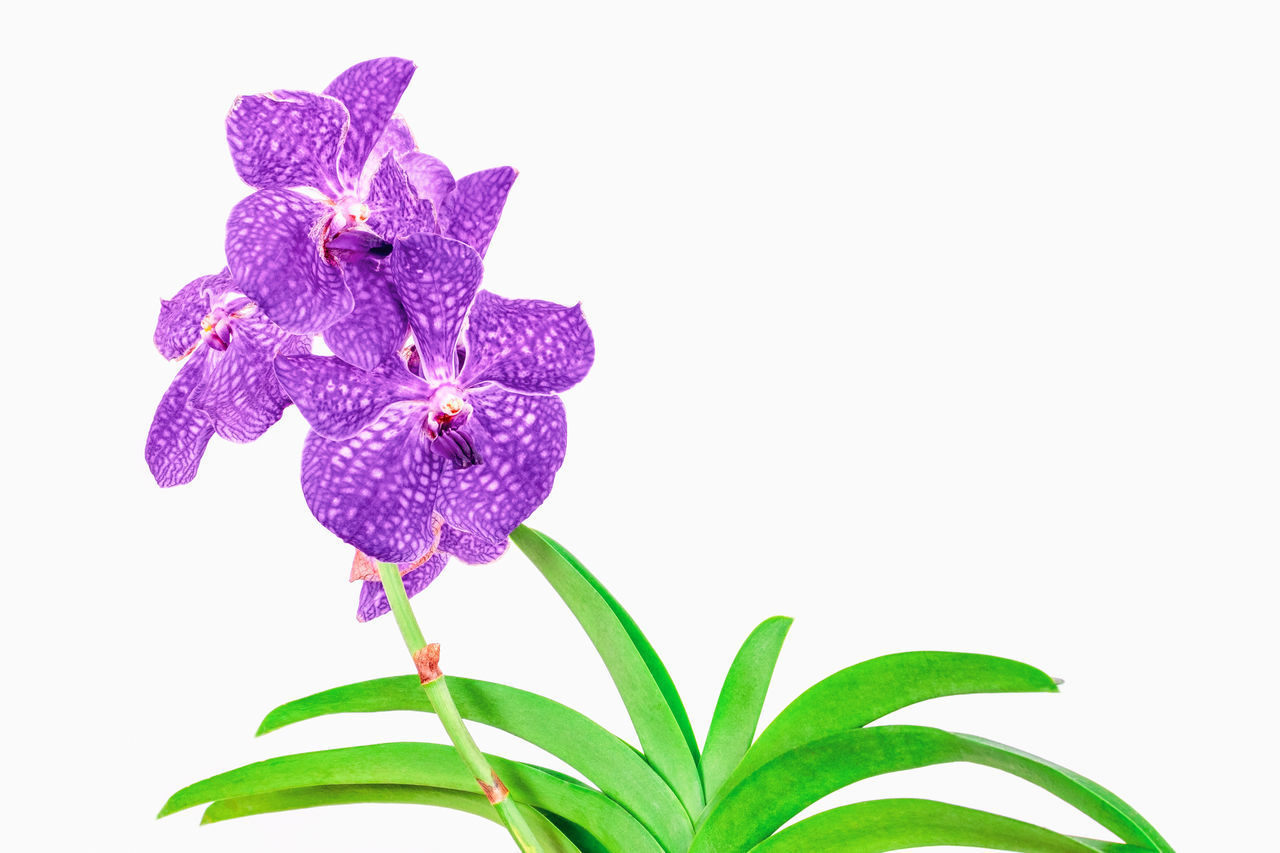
{"points": [[933, 325]]}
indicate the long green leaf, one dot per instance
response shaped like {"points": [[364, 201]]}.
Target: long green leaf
{"points": [[866, 691], [549, 837], [877, 826], [651, 659], [775, 792], [631, 661], [426, 764], [600, 756], [737, 713]]}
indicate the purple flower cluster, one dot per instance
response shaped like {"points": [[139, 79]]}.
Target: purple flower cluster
{"points": [[435, 426]]}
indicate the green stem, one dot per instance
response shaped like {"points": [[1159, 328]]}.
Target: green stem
{"points": [[437, 691]]}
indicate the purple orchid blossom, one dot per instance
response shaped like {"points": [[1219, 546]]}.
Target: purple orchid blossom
{"points": [[417, 575], [476, 440], [284, 246], [227, 385], [313, 261]]}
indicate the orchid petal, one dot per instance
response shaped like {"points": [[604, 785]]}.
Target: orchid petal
{"points": [[522, 448], [377, 326], [376, 489], [370, 91], [178, 326], [470, 549], [473, 209], [436, 278], [275, 260], [339, 399], [179, 433], [287, 139], [526, 344], [373, 596], [430, 177], [396, 210], [240, 393], [396, 140]]}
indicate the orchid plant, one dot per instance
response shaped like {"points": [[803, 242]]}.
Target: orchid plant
{"points": [[436, 430]]}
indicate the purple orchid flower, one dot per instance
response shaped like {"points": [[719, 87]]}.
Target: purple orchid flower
{"points": [[227, 385], [476, 439], [284, 246], [418, 574]]}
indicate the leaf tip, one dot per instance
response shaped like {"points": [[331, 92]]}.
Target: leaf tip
{"points": [[209, 816], [269, 724]]}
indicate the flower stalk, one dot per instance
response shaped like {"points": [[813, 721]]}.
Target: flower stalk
{"points": [[426, 658]]}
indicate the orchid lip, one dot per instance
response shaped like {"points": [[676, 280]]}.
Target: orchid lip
{"points": [[455, 444], [358, 242]]}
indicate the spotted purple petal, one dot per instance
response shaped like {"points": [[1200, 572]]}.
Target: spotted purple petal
{"points": [[436, 278], [430, 178], [395, 209], [339, 399], [376, 489], [178, 326], [239, 392], [526, 344], [373, 597], [521, 448], [287, 139], [473, 209], [275, 260], [370, 90], [470, 549], [179, 433], [377, 326], [396, 139]]}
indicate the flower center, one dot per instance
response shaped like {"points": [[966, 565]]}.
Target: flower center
{"points": [[215, 328], [445, 425], [349, 212], [345, 231]]}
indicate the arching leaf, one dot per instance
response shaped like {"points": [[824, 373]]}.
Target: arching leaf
{"points": [[733, 725], [430, 765], [642, 681], [756, 807], [614, 766]]}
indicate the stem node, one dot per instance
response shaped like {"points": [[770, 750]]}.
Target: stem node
{"points": [[427, 660], [497, 792]]}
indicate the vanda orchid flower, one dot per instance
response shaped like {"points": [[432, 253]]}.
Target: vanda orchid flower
{"points": [[476, 437], [312, 260], [227, 385], [281, 243]]}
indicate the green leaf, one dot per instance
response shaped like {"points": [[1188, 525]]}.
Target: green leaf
{"points": [[1110, 846], [775, 792], [549, 837], [655, 710], [866, 691], [656, 667], [431, 765], [583, 840], [614, 766], [733, 724], [881, 825]]}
